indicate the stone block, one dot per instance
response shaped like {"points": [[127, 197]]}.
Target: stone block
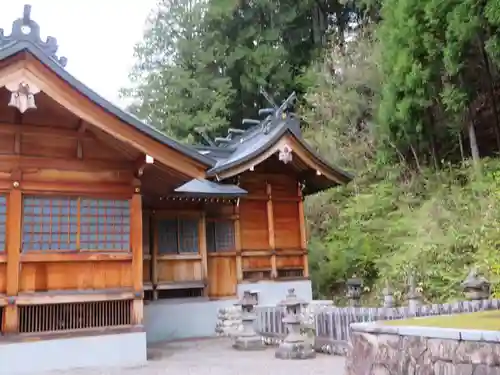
{"points": [[294, 351]]}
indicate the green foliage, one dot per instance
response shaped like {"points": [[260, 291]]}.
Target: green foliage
{"points": [[176, 83], [201, 62], [438, 224]]}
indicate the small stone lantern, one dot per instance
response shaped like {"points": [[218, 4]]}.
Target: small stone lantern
{"points": [[354, 290], [247, 338], [476, 287], [414, 296], [388, 296], [295, 345]]}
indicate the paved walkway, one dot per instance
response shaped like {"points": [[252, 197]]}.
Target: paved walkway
{"points": [[216, 357]]}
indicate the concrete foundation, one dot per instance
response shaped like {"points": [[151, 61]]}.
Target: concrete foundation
{"points": [[191, 318], [65, 354]]}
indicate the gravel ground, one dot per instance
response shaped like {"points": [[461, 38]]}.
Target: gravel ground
{"points": [[216, 357]]}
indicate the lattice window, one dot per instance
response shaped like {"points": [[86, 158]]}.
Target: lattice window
{"points": [[188, 236], [167, 236], [104, 224], [50, 223], [72, 223], [220, 236], [178, 236], [3, 221]]}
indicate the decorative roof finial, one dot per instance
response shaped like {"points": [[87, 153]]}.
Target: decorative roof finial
{"points": [[25, 29]]}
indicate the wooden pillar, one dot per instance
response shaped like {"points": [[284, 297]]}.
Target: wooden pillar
{"points": [[270, 230], [237, 242], [137, 256], [303, 233], [14, 212], [154, 253], [202, 230]]}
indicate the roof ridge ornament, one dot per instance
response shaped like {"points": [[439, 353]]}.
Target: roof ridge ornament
{"points": [[25, 29]]}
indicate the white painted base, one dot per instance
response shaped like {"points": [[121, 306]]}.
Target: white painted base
{"points": [[111, 350], [192, 318], [271, 293]]}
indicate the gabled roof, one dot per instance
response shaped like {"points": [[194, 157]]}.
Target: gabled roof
{"points": [[260, 141], [220, 161], [45, 52]]}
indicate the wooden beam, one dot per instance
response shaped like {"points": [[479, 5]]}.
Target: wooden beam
{"points": [[202, 233], [303, 234], [270, 230], [14, 218], [47, 298], [81, 106], [39, 162], [237, 242], [137, 255], [86, 256], [101, 189], [42, 130]]}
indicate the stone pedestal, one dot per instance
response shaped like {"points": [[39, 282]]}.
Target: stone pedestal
{"points": [[247, 338], [294, 346]]}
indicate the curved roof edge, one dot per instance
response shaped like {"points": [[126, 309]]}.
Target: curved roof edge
{"points": [[271, 141], [127, 118]]}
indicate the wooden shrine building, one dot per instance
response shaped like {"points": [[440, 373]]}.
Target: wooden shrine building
{"points": [[100, 212]]}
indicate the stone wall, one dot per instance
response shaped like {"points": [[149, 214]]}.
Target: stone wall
{"points": [[228, 321], [385, 350]]}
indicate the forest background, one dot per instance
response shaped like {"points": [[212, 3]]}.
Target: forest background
{"points": [[405, 94]]}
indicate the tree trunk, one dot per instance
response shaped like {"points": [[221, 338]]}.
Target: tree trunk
{"points": [[491, 91], [469, 119], [430, 130]]}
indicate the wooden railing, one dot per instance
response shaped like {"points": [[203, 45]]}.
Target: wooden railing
{"points": [[61, 317]]}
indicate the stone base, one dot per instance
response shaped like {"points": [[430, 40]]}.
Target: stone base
{"points": [[295, 350], [249, 343]]}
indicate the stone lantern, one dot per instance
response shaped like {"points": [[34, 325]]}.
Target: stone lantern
{"points": [[354, 290], [476, 287], [295, 345], [414, 296], [388, 295], [247, 338]]}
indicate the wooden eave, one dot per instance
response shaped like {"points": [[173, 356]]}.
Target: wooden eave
{"points": [[299, 149], [52, 79]]}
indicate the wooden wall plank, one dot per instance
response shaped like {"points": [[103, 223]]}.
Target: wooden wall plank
{"points": [[253, 225], [77, 276], [224, 285], [180, 270], [287, 230]]}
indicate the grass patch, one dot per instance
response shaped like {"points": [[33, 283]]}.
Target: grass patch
{"points": [[483, 320]]}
